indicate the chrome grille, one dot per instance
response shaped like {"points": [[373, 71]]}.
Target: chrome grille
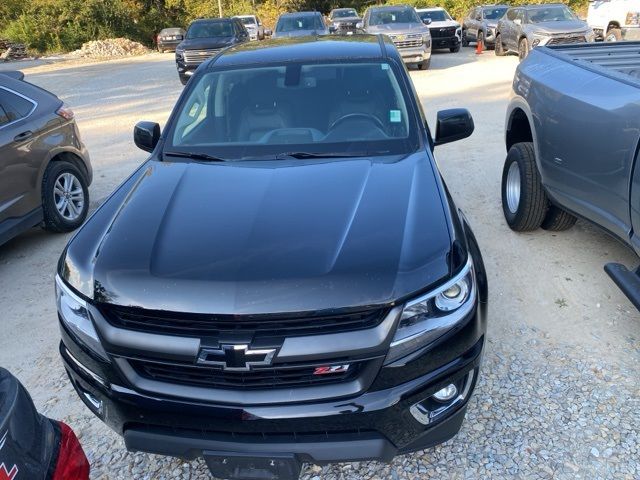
{"points": [[199, 56], [441, 32], [407, 41], [565, 40]]}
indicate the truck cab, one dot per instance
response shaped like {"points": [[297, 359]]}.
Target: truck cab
{"points": [[615, 20]]}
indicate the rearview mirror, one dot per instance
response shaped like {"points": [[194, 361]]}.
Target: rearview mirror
{"points": [[359, 25], [146, 135], [426, 21], [454, 124]]}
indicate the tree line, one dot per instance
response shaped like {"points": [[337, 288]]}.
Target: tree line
{"points": [[64, 25]]}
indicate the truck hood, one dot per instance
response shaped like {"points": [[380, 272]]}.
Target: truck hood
{"points": [[265, 237], [300, 33], [554, 28], [396, 28], [346, 20], [203, 43], [443, 24]]}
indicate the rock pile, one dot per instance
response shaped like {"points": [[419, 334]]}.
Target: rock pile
{"points": [[12, 51], [111, 47]]}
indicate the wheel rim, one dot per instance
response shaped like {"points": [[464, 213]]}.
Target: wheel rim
{"points": [[523, 50], [513, 187], [68, 196], [610, 38]]}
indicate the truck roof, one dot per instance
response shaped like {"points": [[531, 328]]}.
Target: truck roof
{"points": [[618, 59]]}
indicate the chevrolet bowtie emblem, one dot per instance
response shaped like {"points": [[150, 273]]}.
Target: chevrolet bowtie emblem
{"points": [[236, 357]]}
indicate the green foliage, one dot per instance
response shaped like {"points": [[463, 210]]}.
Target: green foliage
{"points": [[62, 25]]}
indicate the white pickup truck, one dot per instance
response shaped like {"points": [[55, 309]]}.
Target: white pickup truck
{"points": [[615, 20]]}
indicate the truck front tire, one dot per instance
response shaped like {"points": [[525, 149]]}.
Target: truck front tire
{"points": [[524, 201], [558, 219]]}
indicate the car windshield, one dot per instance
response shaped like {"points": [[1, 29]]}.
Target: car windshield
{"points": [[494, 13], [247, 20], [210, 30], [301, 22], [550, 14], [434, 16], [400, 15], [171, 31], [333, 109], [344, 13]]}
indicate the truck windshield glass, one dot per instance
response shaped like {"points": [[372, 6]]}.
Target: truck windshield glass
{"points": [[550, 14], [494, 13], [404, 15], [247, 20], [344, 108], [344, 14], [434, 16], [303, 22], [210, 30]]}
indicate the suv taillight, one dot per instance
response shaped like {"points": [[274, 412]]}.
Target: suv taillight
{"points": [[72, 463], [65, 112]]}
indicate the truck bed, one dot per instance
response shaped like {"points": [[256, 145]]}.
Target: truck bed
{"points": [[620, 59]]}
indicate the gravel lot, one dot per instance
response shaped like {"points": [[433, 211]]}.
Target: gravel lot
{"points": [[559, 394]]}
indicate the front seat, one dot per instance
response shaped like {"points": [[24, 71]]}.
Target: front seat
{"points": [[264, 111]]}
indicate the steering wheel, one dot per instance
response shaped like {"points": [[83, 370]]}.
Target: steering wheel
{"points": [[363, 116]]}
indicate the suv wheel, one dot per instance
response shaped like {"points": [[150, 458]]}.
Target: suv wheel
{"points": [[558, 219], [424, 65], [455, 49], [465, 42], [523, 49], [499, 49], [481, 38], [65, 197], [524, 202]]}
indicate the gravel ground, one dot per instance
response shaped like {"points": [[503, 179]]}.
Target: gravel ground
{"points": [[559, 393]]}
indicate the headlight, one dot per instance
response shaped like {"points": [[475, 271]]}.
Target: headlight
{"points": [[179, 53], [425, 319], [633, 18], [426, 36], [75, 316]]}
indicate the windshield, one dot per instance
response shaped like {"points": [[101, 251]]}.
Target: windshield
{"points": [[302, 22], [343, 109], [344, 13], [434, 16], [404, 15], [247, 20], [210, 30], [494, 13], [550, 14]]}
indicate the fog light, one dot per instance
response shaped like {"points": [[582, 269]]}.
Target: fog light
{"points": [[447, 393]]}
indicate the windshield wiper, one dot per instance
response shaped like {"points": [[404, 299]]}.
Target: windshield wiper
{"points": [[303, 155], [196, 156]]}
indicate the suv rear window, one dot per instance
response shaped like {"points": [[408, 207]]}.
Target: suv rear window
{"points": [[318, 108], [14, 106]]}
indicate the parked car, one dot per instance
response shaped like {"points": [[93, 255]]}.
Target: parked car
{"points": [[480, 24], [237, 294], [33, 446], [169, 38], [300, 24], [344, 20], [615, 20], [205, 38], [45, 170], [523, 28], [254, 26], [560, 164], [402, 25], [445, 31]]}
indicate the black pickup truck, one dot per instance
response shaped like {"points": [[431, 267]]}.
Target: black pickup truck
{"points": [[573, 142]]}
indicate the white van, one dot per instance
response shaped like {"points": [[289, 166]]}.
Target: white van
{"points": [[615, 20]]}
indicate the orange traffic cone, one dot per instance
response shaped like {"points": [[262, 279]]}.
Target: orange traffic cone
{"points": [[479, 47]]}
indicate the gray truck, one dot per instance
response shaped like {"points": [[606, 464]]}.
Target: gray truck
{"points": [[573, 137]]}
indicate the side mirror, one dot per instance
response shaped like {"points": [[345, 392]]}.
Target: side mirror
{"points": [[146, 135], [268, 32], [454, 124], [427, 21], [359, 25]]}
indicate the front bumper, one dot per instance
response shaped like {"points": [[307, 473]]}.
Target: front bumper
{"points": [[375, 424], [169, 45], [445, 42], [416, 54]]}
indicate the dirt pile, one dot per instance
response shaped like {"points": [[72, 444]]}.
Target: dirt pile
{"points": [[111, 47]]}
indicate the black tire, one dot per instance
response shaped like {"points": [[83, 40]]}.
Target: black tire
{"points": [[184, 79], [424, 65], [54, 221], [465, 42], [455, 49], [558, 219], [613, 35], [481, 38], [532, 204], [523, 48], [499, 48]]}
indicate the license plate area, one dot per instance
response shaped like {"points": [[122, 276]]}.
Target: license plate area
{"points": [[240, 466]]}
